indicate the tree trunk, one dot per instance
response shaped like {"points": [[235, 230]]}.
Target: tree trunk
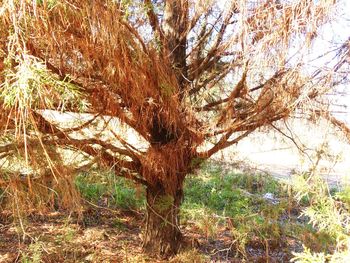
{"points": [[162, 235]]}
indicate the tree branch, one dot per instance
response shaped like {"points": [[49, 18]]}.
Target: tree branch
{"points": [[214, 54], [223, 143], [153, 20], [337, 123]]}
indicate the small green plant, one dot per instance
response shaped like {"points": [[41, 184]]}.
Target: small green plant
{"points": [[328, 217], [67, 236], [90, 191], [240, 238], [34, 253]]}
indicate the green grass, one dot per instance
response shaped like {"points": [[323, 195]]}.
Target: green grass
{"points": [[216, 198], [100, 186], [228, 193]]}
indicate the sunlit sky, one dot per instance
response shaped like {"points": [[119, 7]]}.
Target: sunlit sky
{"points": [[331, 36]]}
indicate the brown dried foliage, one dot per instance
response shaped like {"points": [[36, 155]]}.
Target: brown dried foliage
{"points": [[179, 73]]}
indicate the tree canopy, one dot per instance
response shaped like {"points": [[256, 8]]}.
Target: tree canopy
{"points": [[190, 78]]}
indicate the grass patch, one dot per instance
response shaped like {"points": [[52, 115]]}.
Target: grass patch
{"points": [[104, 188], [229, 193], [254, 208], [217, 198]]}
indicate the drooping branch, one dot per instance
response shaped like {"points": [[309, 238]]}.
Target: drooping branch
{"points": [[121, 167], [236, 92], [55, 135], [336, 122], [239, 87], [102, 99]]}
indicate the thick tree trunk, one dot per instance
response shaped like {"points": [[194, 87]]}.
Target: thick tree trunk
{"points": [[162, 235]]}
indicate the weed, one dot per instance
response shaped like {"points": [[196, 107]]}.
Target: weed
{"points": [[34, 253], [91, 191], [67, 236], [127, 195], [217, 194], [329, 219], [240, 238]]}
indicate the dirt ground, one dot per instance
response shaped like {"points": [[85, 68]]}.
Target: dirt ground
{"points": [[101, 235]]}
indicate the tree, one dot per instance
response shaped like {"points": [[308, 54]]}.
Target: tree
{"points": [[189, 77]]}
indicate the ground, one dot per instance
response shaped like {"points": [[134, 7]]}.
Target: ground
{"points": [[107, 236], [227, 216]]}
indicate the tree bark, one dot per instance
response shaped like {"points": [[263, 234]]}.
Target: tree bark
{"points": [[162, 235]]}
